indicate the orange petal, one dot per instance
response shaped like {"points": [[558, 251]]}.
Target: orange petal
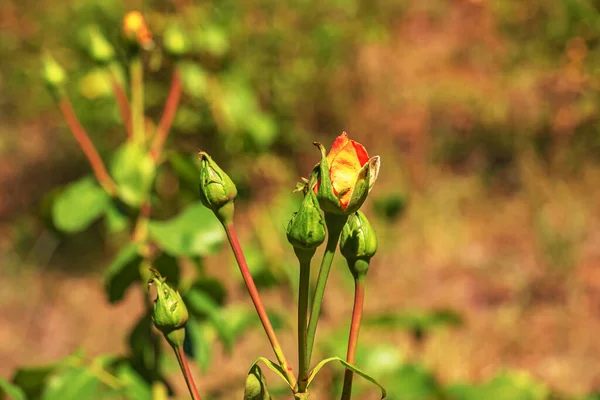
{"points": [[344, 169], [337, 146], [361, 153]]}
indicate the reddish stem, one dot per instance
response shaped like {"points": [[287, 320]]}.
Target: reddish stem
{"points": [[87, 146], [185, 369], [260, 309], [123, 104], [359, 297], [168, 114]]}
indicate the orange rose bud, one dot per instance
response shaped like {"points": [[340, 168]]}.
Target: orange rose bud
{"points": [[347, 175], [136, 31]]}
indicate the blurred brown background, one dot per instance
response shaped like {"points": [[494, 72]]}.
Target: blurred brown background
{"points": [[485, 114]]}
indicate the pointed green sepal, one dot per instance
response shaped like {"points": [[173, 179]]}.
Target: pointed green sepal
{"points": [[327, 199]]}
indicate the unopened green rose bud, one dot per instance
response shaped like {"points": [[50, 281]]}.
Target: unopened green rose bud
{"points": [[306, 230], [53, 74], [100, 50], [175, 40], [256, 385], [170, 313], [358, 243], [217, 190]]}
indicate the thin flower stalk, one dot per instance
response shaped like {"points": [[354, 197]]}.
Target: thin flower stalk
{"points": [[258, 305], [87, 146], [168, 115], [359, 297]]}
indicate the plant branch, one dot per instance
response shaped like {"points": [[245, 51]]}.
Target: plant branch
{"points": [[137, 98], [334, 223], [122, 101], [359, 297], [258, 305], [168, 114], [87, 146]]}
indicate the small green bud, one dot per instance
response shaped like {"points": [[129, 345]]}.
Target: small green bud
{"points": [[306, 230], [217, 190], [170, 313], [175, 40], [100, 50], [358, 243], [53, 74], [256, 385]]}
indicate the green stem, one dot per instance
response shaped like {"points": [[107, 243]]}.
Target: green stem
{"points": [[303, 365], [359, 297], [185, 370], [258, 305], [335, 224], [137, 98]]}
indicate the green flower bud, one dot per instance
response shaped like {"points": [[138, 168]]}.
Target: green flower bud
{"points": [[217, 190], [256, 385], [99, 48], [175, 40], [306, 230], [358, 243], [170, 313], [53, 74]]}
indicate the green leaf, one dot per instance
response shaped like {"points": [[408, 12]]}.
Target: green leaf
{"points": [[351, 367], [413, 382], [12, 391], [508, 385], [200, 344], [32, 380], [201, 304], [133, 171], [116, 219], [72, 383], [194, 79], [273, 367], [194, 232], [123, 272], [134, 386], [79, 205], [256, 385], [415, 319], [142, 345]]}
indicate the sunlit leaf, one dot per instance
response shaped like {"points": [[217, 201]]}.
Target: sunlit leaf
{"points": [[133, 171], [12, 391], [194, 232], [80, 204]]}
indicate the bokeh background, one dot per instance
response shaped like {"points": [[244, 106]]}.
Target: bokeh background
{"points": [[484, 113]]}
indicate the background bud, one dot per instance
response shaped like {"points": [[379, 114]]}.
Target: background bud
{"points": [[136, 31], [217, 190], [170, 313], [358, 243], [53, 74], [306, 230], [175, 40], [100, 50]]}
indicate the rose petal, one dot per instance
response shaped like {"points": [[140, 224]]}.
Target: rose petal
{"points": [[361, 153], [337, 146]]}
